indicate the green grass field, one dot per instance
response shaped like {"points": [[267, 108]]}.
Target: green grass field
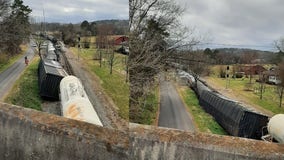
{"points": [[270, 99], [114, 84], [25, 91], [204, 121]]}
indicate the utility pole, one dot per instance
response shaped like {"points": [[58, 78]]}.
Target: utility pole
{"points": [[44, 25], [79, 39], [227, 77]]}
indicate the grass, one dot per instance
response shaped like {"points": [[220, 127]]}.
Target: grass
{"points": [[113, 84], [150, 108], [204, 121], [270, 99], [25, 91], [6, 62]]}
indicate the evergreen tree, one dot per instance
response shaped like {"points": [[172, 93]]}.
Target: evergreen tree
{"points": [[16, 27]]}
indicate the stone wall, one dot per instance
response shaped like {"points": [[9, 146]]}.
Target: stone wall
{"points": [[29, 134]]}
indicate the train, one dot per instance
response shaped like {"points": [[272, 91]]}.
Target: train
{"points": [[50, 72], [235, 118], [275, 128], [75, 102], [55, 84]]}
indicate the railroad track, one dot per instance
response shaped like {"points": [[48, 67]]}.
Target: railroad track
{"points": [[66, 64]]}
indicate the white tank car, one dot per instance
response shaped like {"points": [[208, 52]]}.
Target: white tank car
{"points": [[75, 102], [276, 127]]}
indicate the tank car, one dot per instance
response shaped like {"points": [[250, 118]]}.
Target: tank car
{"points": [[275, 127], [75, 102]]}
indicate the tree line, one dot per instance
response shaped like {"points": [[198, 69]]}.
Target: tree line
{"points": [[14, 27], [69, 33]]}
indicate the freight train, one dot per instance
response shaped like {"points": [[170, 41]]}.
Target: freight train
{"points": [[50, 72], [232, 116], [235, 118], [275, 128], [74, 100]]}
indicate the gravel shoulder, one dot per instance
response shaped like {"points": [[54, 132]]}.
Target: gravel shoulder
{"points": [[103, 104]]}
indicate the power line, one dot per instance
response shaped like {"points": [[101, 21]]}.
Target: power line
{"points": [[237, 45]]}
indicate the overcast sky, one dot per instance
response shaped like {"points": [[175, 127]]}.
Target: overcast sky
{"points": [[223, 23], [236, 23], [74, 11]]}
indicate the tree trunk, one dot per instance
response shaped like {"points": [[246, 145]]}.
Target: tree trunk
{"points": [[100, 59], [281, 96], [250, 75], [126, 69]]}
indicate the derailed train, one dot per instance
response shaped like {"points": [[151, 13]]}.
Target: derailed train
{"points": [[50, 72], [236, 119], [75, 103]]}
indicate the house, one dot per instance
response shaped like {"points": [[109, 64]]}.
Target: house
{"points": [[252, 70], [122, 40], [272, 76]]}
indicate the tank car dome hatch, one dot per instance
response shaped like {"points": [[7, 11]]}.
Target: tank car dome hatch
{"points": [[275, 127], [75, 102]]}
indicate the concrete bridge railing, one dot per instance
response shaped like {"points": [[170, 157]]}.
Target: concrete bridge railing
{"points": [[29, 134]]}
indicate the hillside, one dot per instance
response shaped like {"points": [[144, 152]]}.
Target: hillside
{"points": [[236, 55]]}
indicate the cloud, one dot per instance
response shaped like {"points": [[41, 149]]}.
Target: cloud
{"points": [[255, 23], [74, 11]]}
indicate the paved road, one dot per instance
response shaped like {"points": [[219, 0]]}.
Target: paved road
{"points": [[173, 113], [9, 76]]}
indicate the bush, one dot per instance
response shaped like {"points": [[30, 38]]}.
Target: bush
{"points": [[222, 72], [86, 45], [3, 58], [239, 75]]}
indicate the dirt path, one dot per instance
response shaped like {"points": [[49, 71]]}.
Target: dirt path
{"points": [[236, 96], [103, 104]]}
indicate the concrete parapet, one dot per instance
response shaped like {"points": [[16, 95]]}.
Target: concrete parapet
{"points": [[28, 134], [149, 142]]}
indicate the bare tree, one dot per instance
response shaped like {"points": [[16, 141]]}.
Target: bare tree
{"points": [[280, 91], [247, 58], [101, 40], [39, 41], [112, 61], [105, 43], [155, 33], [4, 5], [280, 87], [279, 44], [261, 85]]}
